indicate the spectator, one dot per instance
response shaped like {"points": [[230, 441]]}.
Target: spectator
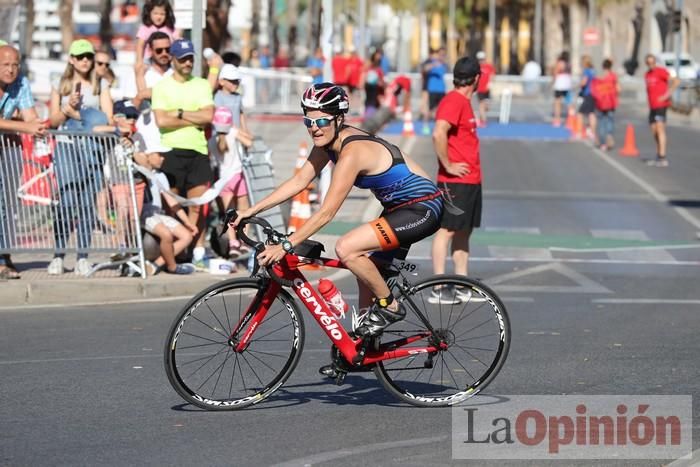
{"points": [[315, 66], [435, 69], [373, 79], [605, 91], [459, 175], [184, 107], [254, 58], [354, 69], [173, 236], [659, 95], [339, 66], [157, 15], [561, 83], [531, 72], [15, 96], [102, 67], [235, 193], [587, 108], [231, 58], [483, 91], [282, 58], [384, 62], [265, 57], [148, 76], [80, 102]]}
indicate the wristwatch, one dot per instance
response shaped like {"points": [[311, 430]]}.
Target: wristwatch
{"points": [[287, 246], [179, 113]]}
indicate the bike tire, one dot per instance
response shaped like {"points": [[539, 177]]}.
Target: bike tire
{"points": [[477, 331], [200, 362]]}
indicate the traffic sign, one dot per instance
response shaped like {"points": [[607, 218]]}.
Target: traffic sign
{"points": [[591, 36]]}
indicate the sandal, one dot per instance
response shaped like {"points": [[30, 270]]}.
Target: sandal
{"points": [[8, 273]]}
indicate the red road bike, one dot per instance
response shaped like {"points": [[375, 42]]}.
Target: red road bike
{"points": [[237, 342]]}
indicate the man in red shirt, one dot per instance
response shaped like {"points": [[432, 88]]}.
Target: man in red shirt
{"points": [[483, 93], [659, 95], [459, 174]]}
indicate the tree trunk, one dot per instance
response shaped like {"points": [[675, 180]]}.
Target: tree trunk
{"points": [[106, 31], [255, 25], [27, 42], [292, 20], [216, 34], [65, 13]]}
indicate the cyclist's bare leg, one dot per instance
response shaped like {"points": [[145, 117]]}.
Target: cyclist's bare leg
{"points": [[352, 249]]}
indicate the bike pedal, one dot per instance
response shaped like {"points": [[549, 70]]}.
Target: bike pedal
{"points": [[428, 363], [340, 379]]}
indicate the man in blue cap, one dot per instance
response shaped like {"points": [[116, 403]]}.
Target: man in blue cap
{"points": [[183, 105]]}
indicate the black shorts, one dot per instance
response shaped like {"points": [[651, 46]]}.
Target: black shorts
{"points": [[398, 230], [587, 106], [186, 169], [466, 197], [657, 115], [483, 96], [434, 99], [559, 94]]}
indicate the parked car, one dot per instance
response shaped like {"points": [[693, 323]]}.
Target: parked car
{"points": [[688, 70]]}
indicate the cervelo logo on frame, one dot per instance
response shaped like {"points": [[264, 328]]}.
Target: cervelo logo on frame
{"points": [[328, 322], [573, 427]]}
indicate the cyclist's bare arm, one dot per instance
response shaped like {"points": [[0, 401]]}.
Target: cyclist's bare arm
{"points": [[346, 171], [292, 186]]}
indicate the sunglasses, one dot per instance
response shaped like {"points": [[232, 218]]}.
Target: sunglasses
{"points": [[322, 122], [160, 50], [88, 55], [234, 81], [102, 64], [186, 58]]}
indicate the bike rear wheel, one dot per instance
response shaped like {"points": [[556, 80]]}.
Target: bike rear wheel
{"points": [[473, 323], [200, 360]]}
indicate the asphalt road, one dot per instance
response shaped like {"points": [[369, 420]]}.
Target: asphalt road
{"points": [[593, 255]]}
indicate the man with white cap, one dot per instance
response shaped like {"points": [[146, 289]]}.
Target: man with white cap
{"points": [[184, 107], [483, 91]]}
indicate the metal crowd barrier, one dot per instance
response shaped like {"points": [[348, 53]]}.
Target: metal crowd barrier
{"points": [[70, 193]]}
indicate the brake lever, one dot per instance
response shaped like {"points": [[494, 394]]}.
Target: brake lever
{"points": [[228, 217]]}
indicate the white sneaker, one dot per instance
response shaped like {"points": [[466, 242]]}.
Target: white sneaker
{"points": [[56, 267], [83, 267]]}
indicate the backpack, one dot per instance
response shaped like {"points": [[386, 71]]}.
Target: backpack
{"points": [[604, 92]]}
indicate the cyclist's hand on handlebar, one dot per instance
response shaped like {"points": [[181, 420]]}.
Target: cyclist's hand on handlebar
{"points": [[244, 214], [270, 255]]}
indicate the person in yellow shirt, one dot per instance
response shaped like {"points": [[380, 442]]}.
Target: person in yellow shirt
{"points": [[184, 106]]}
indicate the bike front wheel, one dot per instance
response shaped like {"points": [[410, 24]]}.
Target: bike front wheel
{"points": [[470, 322], [200, 357]]}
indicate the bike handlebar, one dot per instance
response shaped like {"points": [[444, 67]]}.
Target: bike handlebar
{"points": [[273, 236]]}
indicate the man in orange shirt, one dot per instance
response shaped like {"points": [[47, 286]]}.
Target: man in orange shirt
{"points": [[659, 94]]}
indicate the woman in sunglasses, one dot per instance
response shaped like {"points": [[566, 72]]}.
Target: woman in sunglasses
{"points": [[102, 68], [412, 203], [79, 88], [80, 102]]}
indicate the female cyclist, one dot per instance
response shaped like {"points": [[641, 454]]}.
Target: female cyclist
{"points": [[412, 203]]}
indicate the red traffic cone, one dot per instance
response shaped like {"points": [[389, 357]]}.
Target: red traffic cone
{"points": [[630, 147], [408, 124]]}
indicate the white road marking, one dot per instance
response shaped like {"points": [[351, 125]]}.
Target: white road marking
{"points": [[582, 284], [646, 301], [657, 195], [655, 254]]}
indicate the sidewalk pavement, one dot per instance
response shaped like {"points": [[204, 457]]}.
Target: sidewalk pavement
{"points": [[37, 288]]}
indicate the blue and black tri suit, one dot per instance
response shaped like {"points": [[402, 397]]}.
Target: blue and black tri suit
{"points": [[412, 204]]}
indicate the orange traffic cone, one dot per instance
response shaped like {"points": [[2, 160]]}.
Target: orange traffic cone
{"points": [[630, 147], [571, 121], [301, 207], [578, 130], [408, 124]]}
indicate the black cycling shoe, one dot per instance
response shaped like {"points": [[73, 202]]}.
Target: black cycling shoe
{"points": [[328, 371], [379, 319]]}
